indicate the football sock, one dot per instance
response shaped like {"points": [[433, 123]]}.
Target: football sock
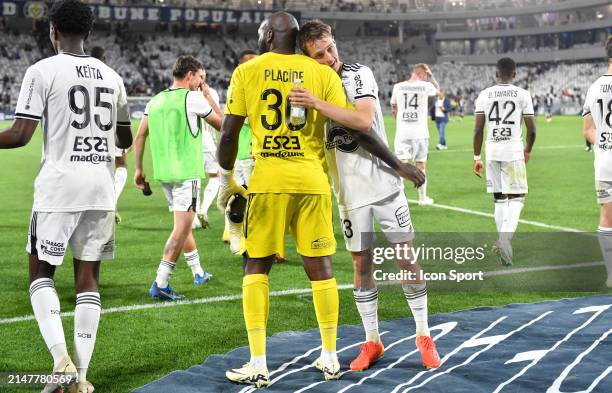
{"points": [[193, 261], [423, 189], [120, 178], [500, 212], [416, 295], [326, 304], [46, 307], [605, 243], [164, 271], [367, 305], [210, 192], [255, 305], [511, 218], [86, 318]]}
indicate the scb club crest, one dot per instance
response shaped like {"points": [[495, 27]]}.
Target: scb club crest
{"points": [[35, 9], [339, 138]]}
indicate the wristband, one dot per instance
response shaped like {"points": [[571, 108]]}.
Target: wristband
{"points": [[477, 157]]}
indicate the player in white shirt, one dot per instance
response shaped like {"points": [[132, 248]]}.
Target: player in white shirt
{"points": [[409, 106], [597, 128], [172, 121], [120, 162], [503, 108], [353, 172], [82, 109], [211, 166]]}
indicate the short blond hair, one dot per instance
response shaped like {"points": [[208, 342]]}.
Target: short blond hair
{"points": [[420, 68], [311, 31]]}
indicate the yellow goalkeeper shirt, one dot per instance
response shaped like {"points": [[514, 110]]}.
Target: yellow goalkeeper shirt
{"points": [[288, 159]]}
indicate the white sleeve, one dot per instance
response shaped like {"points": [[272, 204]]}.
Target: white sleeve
{"points": [[431, 89], [146, 110], [214, 95], [31, 101], [123, 110], [479, 106], [394, 95], [527, 104], [586, 108], [196, 103], [365, 84]]}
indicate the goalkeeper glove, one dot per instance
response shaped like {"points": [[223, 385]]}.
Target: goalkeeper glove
{"points": [[227, 188]]}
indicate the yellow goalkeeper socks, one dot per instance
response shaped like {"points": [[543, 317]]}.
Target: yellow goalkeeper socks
{"points": [[255, 304], [326, 303]]}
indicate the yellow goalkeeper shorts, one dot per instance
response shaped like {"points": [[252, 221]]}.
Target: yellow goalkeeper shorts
{"points": [[308, 217]]}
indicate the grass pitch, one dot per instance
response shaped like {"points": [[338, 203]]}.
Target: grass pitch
{"points": [[136, 347]]}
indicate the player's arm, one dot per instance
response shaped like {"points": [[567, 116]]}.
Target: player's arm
{"points": [[432, 79], [359, 119], [226, 155], [214, 119], [478, 137], [18, 134], [588, 128], [373, 144], [124, 136], [531, 135], [139, 145]]}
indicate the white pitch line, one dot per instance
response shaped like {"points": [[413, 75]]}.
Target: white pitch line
{"points": [[298, 291], [552, 147], [484, 214]]}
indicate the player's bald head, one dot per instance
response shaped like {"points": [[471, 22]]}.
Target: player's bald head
{"points": [[278, 31]]}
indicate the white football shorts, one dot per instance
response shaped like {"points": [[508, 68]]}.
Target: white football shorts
{"points": [[604, 191], [182, 196], [412, 149], [507, 177], [211, 165], [392, 215], [90, 234]]}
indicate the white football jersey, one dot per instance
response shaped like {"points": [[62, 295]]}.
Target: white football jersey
{"points": [[79, 101], [504, 106], [411, 98], [358, 178], [598, 103], [209, 135]]}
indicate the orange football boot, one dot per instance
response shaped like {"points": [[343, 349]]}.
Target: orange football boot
{"points": [[368, 354], [429, 354]]}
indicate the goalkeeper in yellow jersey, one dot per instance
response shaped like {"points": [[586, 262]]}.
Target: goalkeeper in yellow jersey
{"points": [[289, 189]]}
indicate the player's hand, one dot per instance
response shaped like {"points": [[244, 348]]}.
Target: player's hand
{"points": [[412, 173], [527, 155], [139, 179], [205, 89], [227, 188], [428, 71], [478, 168], [303, 97]]}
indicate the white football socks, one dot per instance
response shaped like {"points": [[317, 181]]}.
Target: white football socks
{"points": [[500, 211], [164, 271], [258, 362], [210, 192], [86, 319], [367, 305], [416, 295], [120, 179], [46, 307], [193, 261], [422, 191], [605, 243], [511, 218]]}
